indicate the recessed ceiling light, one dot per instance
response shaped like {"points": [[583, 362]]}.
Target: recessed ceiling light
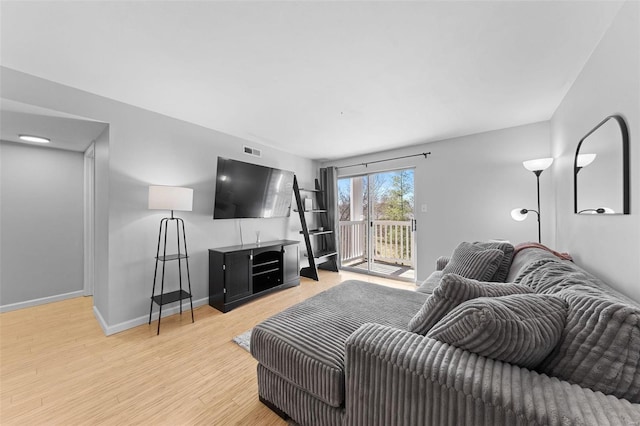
{"points": [[36, 139]]}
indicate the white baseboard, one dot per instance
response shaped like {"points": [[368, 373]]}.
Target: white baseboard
{"points": [[117, 328], [100, 319], [106, 328], [40, 301]]}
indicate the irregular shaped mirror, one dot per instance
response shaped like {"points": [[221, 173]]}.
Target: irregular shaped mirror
{"points": [[601, 169]]}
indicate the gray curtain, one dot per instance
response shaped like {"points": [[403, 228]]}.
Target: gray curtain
{"points": [[329, 184]]}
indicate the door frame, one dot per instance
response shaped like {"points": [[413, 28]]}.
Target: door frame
{"points": [[89, 220], [370, 229]]}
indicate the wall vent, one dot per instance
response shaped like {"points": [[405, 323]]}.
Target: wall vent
{"points": [[252, 151]]}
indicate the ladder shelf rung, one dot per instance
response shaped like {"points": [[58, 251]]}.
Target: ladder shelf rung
{"points": [[317, 232]]}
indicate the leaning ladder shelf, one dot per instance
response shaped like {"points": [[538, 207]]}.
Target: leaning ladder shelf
{"points": [[324, 255]]}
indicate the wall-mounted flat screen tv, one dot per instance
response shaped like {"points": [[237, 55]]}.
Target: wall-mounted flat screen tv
{"points": [[245, 190]]}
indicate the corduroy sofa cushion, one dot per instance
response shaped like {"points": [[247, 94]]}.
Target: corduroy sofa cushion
{"points": [[526, 261], [521, 329], [305, 343], [430, 283], [507, 250], [452, 291], [600, 344], [473, 261]]}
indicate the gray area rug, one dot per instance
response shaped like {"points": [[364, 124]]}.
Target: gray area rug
{"points": [[243, 340]]}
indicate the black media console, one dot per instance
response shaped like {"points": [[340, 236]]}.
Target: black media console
{"points": [[238, 274]]}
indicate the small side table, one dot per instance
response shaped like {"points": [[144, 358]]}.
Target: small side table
{"points": [[174, 296]]}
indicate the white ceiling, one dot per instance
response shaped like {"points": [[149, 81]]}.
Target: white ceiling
{"points": [[65, 131], [319, 79]]}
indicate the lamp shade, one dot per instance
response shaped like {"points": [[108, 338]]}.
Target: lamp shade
{"points": [[538, 164], [170, 198], [517, 214], [599, 210], [585, 159]]}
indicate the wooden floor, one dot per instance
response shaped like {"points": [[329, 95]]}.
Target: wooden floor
{"points": [[57, 366]]}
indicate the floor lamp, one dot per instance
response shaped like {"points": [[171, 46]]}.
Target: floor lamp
{"points": [[537, 167], [171, 198]]}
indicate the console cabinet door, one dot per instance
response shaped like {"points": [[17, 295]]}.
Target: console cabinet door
{"points": [[290, 264], [237, 275]]}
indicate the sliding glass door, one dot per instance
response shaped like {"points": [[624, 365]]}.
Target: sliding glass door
{"points": [[377, 225]]}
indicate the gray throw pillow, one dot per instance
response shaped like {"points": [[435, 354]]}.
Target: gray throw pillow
{"points": [[473, 261], [507, 250], [519, 329], [452, 291]]}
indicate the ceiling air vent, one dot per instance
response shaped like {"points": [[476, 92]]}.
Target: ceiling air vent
{"points": [[252, 151]]}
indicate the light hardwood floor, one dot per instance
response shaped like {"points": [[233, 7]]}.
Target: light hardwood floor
{"points": [[57, 367]]}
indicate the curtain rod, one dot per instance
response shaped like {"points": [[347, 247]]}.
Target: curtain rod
{"points": [[388, 159]]}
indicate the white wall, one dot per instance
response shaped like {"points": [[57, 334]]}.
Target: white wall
{"points": [[608, 246], [470, 185], [101, 224], [42, 223], [147, 148]]}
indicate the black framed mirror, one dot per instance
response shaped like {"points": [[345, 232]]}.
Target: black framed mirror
{"points": [[601, 169]]}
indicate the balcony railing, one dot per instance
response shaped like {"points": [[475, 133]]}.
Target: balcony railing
{"points": [[392, 242], [353, 242]]}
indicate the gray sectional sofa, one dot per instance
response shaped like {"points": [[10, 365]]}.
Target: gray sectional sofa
{"points": [[347, 356]]}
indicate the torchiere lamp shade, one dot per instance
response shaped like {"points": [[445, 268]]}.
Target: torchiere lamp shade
{"points": [[170, 198], [538, 164]]}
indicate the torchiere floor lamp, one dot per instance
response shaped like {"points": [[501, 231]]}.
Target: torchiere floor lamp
{"points": [[537, 167]]}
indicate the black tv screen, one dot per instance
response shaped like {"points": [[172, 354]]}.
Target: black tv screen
{"points": [[245, 190]]}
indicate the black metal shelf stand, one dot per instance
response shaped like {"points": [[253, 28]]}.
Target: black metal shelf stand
{"points": [[163, 298], [325, 255]]}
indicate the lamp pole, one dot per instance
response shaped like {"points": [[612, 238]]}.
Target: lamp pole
{"points": [[537, 173]]}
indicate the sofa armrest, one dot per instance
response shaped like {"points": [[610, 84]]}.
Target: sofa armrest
{"points": [[394, 377], [441, 262]]}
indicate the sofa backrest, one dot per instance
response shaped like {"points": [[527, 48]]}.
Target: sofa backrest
{"points": [[600, 344], [527, 260]]}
